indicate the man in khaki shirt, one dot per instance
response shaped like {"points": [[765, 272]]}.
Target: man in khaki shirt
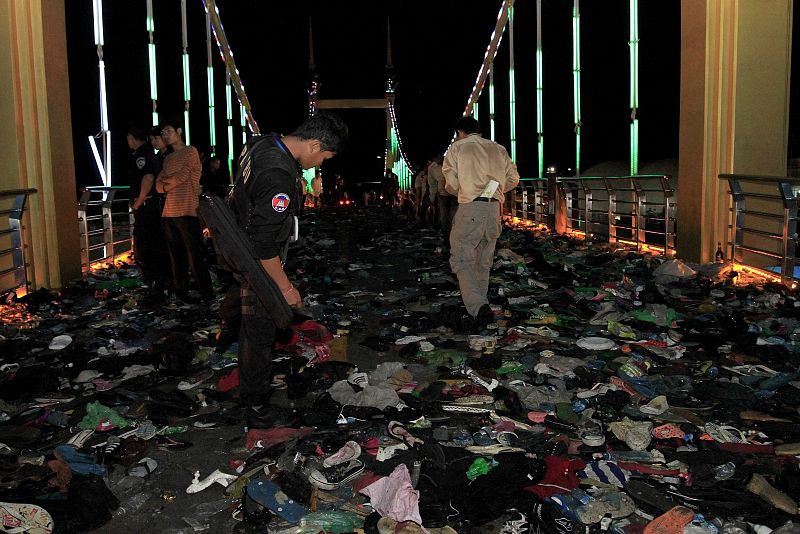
{"points": [[471, 164]]}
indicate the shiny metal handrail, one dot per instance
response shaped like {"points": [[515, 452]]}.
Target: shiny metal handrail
{"points": [[13, 264], [111, 208]]}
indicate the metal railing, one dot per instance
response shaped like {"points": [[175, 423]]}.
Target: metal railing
{"points": [[532, 200], [639, 210], [763, 222], [13, 267], [105, 221]]}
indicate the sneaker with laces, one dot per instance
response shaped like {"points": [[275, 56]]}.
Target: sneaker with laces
{"points": [[331, 478]]}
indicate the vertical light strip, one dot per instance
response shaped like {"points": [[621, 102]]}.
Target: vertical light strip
{"points": [[229, 117], [99, 41], [243, 123], [212, 123], [475, 111], [576, 82], [488, 56], [230, 64], [187, 91], [633, 44], [511, 92], [539, 93], [491, 102], [151, 59]]}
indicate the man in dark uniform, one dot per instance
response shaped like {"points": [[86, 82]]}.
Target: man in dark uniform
{"points": [[149, 246], [265, 197]]}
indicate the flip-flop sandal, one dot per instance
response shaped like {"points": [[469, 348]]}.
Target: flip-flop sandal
{"points": [[624, 386], [397, 430], [647, 494], [18, 518], [196, 380], [79, 439], [723, 434], [668, 431], [270, 495], [142, 468]]}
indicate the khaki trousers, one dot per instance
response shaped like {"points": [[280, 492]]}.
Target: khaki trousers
{"points": [[476, 227]]}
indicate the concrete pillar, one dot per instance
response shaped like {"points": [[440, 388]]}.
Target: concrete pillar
{"points": [[36, 134], [735, 66]]}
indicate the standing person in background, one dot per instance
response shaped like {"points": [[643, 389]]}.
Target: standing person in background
{"points": [[433, 211], [161, 148], [149, 246], [420, 192], [216, 179], [180, 181], [316, 190], [478, 172], [446, 203]]}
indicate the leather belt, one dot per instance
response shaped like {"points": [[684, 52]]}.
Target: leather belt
{"points": [[484, 199]]}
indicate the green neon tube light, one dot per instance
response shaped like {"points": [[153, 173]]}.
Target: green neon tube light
{"points": [[491, 102], [576, 82], [475, 111], [212, 127], [187, 90], [539, 92], [212, 123], [511, 84], [633, 44]]}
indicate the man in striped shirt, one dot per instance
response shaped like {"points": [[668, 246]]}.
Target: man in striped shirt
{"points": [[180, 180]]}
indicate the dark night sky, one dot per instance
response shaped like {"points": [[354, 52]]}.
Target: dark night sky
{"points": [[437, 46]]}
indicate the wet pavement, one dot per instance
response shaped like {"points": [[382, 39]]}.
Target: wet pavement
{"points": [[613, 391]]}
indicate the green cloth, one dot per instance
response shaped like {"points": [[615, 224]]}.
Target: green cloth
{"points": [[330, 521], [96, 412], [443, 357]]}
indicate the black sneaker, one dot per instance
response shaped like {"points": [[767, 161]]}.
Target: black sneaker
{"points": [[330, 478]]}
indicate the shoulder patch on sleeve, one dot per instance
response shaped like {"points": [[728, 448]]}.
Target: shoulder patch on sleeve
{"points": [[280, 202]]}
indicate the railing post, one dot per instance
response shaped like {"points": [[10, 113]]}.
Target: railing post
{"points": [[789, 231], [83, 226], [108, 225], [612, 208], [588, 201], [737, 216], [524, 203], [640, 219], [669, 226], [17, 246]]}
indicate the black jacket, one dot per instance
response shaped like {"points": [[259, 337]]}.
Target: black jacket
{"points": [[266, 194]]}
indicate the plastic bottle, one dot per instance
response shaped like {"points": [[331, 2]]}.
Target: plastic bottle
{"points": [[724, 471], [207, 509], [131, 504]]}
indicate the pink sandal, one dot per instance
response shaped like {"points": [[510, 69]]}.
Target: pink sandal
{"points": [[668, 431]]}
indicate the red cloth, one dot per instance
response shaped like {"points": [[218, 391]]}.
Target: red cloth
{"points": [[273, 436], [229, 381], [560, 477]]}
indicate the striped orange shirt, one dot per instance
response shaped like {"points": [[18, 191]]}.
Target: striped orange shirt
{"points": [[181, 172]]}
